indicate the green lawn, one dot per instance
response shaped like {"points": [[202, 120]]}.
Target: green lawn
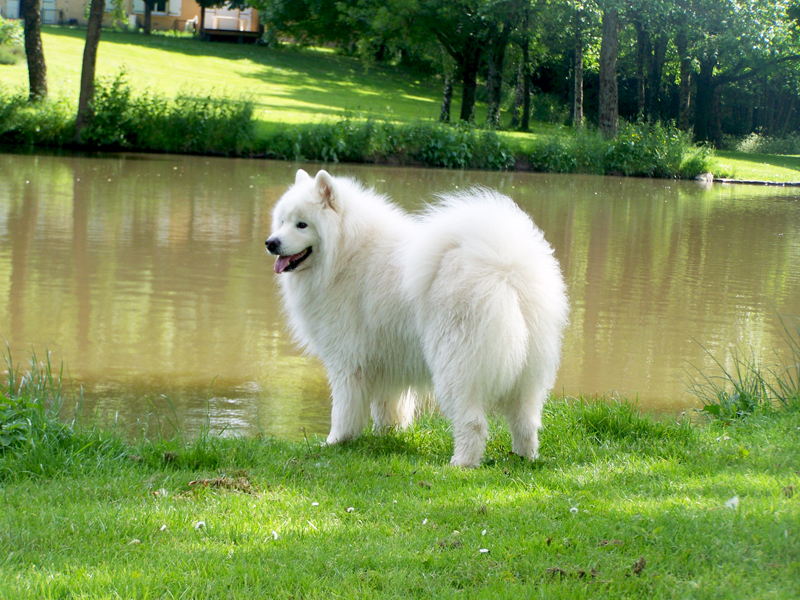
{"points": [[762, 167], [291, 85], [288, 85], [618, 506]]}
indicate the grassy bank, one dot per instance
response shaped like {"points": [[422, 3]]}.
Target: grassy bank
{"points": [[620, 505], [239, 100]]}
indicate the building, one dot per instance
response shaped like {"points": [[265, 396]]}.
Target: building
{"points": [[167, 14]]}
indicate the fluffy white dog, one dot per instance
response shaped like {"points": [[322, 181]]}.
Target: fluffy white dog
{"points": [[465, 298]]}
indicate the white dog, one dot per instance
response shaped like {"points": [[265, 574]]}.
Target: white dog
{"points": [[466, 298]]}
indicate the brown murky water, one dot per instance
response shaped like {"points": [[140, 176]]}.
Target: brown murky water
{"points": [[147, 277]]}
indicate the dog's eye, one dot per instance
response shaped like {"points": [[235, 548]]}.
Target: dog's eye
{"points": [[302, 225]]}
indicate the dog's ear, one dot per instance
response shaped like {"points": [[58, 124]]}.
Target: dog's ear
{"points": [[324, 184], [301, 176]]}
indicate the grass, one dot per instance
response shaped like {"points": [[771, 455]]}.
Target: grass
{"points": [[748, 386], [761, 167], [620, 505], [286, 85], [301, 87]]}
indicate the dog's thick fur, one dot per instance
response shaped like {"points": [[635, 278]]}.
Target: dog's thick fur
{"points": [[466, 298]]}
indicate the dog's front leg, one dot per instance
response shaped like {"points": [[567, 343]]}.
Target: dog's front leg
{"points": [[350, 407]]}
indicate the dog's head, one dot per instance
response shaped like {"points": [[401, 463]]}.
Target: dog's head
{"points": [[300, 221]]}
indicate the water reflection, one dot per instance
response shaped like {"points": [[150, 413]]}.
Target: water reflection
{"points": [[147, 276]]}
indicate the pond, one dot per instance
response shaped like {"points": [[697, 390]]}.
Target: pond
{"points": [[147, 277]]}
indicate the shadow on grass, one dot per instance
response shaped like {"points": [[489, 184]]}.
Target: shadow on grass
{"points": [[307, 81]]}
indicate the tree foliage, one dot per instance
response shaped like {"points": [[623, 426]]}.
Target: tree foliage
{"points": [[710, 66]]}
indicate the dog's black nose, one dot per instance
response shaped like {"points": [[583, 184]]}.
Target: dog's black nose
{"points": [[273, 244]]}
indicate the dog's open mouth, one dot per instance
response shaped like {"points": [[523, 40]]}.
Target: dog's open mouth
{"points": [[290, 263]]}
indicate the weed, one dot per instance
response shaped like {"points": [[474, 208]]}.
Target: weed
{"points": [[747, 386]]}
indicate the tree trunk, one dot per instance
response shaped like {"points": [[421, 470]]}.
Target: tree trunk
{"points": [[96, 9], [518, 97], [37, 70], [642, 43], [469, 79], [497, 57], [202, 21], [447, 98], [577, 107], [704, 103], [148, 12], [448, 68], [655, 72], [685, 107], [609, 98], [526, 91]]}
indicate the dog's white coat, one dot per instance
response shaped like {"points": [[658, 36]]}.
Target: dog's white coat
{"points": [[465, 298]]}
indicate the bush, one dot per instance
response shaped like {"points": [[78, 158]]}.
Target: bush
{"points": [[150, 122], [430, 144], [11, 33], [11, 42], [549, 108], [757, 143], [45, 123], [640, 149]]}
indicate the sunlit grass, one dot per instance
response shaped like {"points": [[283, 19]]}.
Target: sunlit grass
{"points": [[762, 167], [287, 85], [292, 86], [619, 505]]}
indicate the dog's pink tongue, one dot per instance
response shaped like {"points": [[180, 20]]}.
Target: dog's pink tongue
{"points": [[283, 261]]}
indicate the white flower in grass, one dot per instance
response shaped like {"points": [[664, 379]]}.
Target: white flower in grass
{"points": [[483, 532], [350, 509], [274, 535], [425, 521], [733, 503], [484, 550], [315, 504], [199, 525], [574, 510]]}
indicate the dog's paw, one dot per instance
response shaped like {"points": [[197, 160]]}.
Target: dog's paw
{"points": [[464, 462]]}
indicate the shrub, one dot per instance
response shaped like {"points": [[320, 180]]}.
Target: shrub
{"points": [[549, 108], [11, 42], [647, 149], [757, 143], [44, 123], [121, 120], [431, 144], [11, 33], [640, 149]]}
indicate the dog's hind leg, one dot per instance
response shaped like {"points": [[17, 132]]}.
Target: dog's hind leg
{"points": [[470, 430], [393, 409], [349, 409], [524, 416]]}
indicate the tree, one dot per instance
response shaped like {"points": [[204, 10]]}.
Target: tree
{"points": [[522, 99], [733, 41], [581, 12], [96, 9], [149, 5], [608, 116], [37, 70], [509, 16]]}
